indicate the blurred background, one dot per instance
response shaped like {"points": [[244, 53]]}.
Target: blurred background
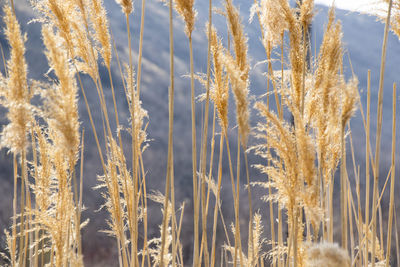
{"points": [[362, 37]]}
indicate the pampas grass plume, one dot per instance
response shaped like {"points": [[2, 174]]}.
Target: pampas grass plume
{"points": [[102, 35], [272, 20], [127, 6], [61, 101], [238, 70], [186, 10], [15, 92], [220, 89]]}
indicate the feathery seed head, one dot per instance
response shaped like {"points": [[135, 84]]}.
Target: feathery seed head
{"points": [[135, 107], [15, 94], [42, 187], [239, 38], [185, 9], [100, 24], [240, 91], [394, 17], [284, 173], [238, 70], [85, 61], [255, 245], [58, 15], [61, 101], [306, 12], [327, 254], [330, 54], [349, 101], [395, 21], [220, 86], [127, 6], [273, 22]]}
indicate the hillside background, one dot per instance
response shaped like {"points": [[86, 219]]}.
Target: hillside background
{"points": [[362, 36]]}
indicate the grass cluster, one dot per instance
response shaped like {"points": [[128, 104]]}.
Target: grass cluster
{"points": [[301, 155]]}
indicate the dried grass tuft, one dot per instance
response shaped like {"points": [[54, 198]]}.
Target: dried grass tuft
{"points": [[327, 254]]}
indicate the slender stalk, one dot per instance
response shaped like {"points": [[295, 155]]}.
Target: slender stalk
{"points": [[91, 120], [175, 235], [138, 81], [280, 222], [357, 215], [115, 108], [178, 234], [211, 164], [29, 240], [380, 217], [134, 227], [4, 60], [217, 200], [168, 184], [194, 161], [271, 204], [396, 233], [203, 156], [379, 130], [123, 246], [23, 227], [392, 182], [343, 189], [145, 226], [80, 191], [295, 236], [139, 68], [238, 240], [251, 234], [360, 218], [350, 216], [230, 169], [367, 178], [14, 225]]}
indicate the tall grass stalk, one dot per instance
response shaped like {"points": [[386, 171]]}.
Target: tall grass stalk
{"points": [[187, 12], [343, 189], [203, 151], [194, 161], [217, 201], [392, 182], [379, 130], [367, 161], [139, 79], [169, 180]]}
